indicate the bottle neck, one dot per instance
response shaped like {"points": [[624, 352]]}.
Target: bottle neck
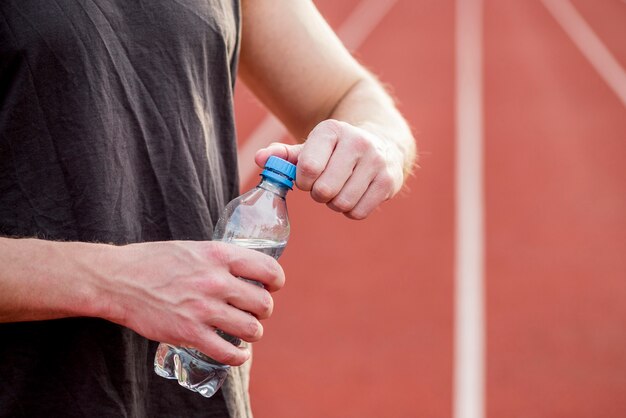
{"points": [[273, 186]]}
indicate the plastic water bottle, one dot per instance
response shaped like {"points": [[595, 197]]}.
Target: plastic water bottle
{"points": [[257, 220]]}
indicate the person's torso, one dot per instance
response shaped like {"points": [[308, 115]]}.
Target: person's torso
{"points": [[116, 118], [116, 125]]}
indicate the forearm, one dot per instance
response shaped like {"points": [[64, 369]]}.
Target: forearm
{"points": [[172, 291], [368, 106], [46, 280], [315, 78]]}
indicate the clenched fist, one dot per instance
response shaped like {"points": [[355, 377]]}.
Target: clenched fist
{"points": [[348, 168]]}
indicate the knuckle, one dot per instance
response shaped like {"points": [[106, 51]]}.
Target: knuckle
{"points": [[360, 145], [310, 168], [215, 314], [254, 331], [332, 125], [386, 182], [358, 214], [266, 305], [334, 208], [276, 273], [342, 204], [378, 163], [323, 191], [198, 307], [270, 266], [227, 356], [217, 285], [217, 251]]}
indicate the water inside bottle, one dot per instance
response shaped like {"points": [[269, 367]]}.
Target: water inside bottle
{"points": [[266, 246]]}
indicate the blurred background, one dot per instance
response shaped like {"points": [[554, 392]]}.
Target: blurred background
{"points": [[381, 318]]}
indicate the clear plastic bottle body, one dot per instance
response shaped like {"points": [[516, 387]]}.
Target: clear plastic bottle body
{"points": [[257, 220]]}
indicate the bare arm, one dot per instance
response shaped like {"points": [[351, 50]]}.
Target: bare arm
{"points": [[296, 65], [177, 292], [40, 281]]}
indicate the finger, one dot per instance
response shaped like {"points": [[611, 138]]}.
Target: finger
{"points": [[338, 170], [251, 264], [285, 151], [316, 153], [214, 346], [239, 324], [353, 190], [251, 298], [377, 192]]}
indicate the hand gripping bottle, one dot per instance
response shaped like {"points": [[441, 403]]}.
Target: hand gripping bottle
{"points": [[257, 220]]}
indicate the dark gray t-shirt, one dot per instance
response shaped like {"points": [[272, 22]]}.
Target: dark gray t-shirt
{"points": [[116, 126]]}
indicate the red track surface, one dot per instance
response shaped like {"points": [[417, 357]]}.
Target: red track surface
{"points": [[556, 210], [364, 326]]}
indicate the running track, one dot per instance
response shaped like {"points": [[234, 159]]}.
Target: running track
{"points": [[497, 286]]}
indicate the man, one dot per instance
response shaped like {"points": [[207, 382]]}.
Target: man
{"points": [[117, 154]]}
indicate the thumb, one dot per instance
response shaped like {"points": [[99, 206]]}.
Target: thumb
{"points": [[285, 151]]}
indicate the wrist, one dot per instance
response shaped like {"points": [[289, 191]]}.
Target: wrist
{"points": [[397, 145], [76, 270], [93, 267]]}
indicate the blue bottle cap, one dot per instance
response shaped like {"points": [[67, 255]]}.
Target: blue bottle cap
{"points": [[280, 170]]}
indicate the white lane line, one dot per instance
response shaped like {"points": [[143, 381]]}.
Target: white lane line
{"points": [[589, 45], [362, 21], [353, 32], [469, 325]]}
